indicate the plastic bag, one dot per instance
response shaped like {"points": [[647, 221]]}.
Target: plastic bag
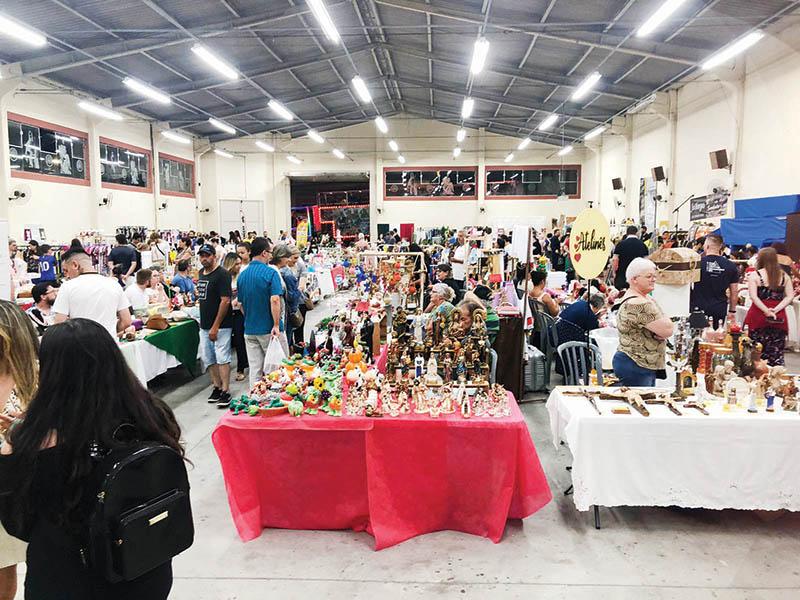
{"points": [[274, 356]]}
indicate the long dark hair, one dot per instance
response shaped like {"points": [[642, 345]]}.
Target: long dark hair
{"points": [[768, 260], [86, 391]]}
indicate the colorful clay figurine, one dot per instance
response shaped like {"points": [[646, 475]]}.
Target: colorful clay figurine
{"points": [[295, 408]]}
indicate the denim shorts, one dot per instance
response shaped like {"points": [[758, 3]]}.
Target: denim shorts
{"points": [[631, 374], [216, 353]]}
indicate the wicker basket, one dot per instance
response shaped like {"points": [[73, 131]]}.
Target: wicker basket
{"points": [[676, 266]]}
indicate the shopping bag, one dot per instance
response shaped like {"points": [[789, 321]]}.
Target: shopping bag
{"points": [[274, 356]]}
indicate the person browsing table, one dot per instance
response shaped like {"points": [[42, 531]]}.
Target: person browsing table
{"points": [[216, 323], [90, 295], [260, 290], [718, 287], [625, 252], [643, 329], [458, 259]]}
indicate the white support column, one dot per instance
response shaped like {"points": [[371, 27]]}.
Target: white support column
{"points": [[6, 93]]}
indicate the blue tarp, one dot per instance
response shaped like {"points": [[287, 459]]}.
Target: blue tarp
{"points": [[773, 206], [738, 232]]}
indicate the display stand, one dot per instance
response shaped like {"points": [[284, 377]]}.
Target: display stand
{"points": [[418, 255]]}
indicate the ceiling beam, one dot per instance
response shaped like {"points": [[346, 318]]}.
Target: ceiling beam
{"points": [[259, 105], [623, 92], [60, 61], [498, 99], [655, 50], [126, 99]]}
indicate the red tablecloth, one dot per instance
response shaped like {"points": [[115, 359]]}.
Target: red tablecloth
{"points": [[395, 478]]}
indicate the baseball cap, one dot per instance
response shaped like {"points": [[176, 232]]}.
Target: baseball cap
{"points": [[206, 249]]}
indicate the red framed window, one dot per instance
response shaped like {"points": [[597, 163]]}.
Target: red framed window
{"points": [[533, 182], [176, 175], [47, 152], [430, 183], [125, 167]]}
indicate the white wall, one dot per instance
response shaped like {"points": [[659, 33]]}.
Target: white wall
{"points": [[422, 142], [65, 209]]}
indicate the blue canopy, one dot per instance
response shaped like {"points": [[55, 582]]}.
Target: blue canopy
{"points": [[772, 206], [738, 232]]}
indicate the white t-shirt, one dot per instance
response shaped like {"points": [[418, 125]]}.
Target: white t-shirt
{"points": [[92, 296], [159, 252], [138, 297], [461, 253]]}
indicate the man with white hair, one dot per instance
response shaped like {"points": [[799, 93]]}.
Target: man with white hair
{"points": [[89, 295], [643, 329]]}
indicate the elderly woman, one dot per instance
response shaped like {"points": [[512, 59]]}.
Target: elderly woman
{"points": [[281, 257], [643, 329], [442, 296]]}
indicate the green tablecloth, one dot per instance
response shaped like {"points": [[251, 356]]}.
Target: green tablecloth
{"points": [[181, 340]]}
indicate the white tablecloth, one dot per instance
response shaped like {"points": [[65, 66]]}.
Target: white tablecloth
{"points": [[725, 460], [325, 280], [146, 361], [792, 316]]}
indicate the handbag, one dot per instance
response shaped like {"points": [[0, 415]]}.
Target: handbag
{"points": [[309, 303], [296, 318]]}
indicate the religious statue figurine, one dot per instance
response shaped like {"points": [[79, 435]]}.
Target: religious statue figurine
{"points": [[419, 364], [478, 325], [448, 368], [418, 319], [432, 374], [447, 404], [403, 406]]}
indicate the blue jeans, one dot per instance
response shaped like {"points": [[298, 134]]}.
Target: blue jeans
{"points": [[631, 374]]}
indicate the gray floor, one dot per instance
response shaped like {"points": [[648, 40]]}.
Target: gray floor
{"points": [[639, 554]]}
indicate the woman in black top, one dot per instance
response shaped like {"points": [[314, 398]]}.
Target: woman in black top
{"points": [[86, 393]]}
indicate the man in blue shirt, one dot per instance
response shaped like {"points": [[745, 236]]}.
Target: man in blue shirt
{"points": [[260, 289], [47, 264], [182, 281]]}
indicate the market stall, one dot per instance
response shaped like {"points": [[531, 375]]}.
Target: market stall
{"points": [[395, 478], [152, 353], [710, 454]]}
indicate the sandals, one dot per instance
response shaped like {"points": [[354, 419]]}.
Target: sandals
{"points": [[240, 376]]}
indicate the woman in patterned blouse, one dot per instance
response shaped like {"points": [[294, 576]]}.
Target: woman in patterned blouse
{"points": [[643, 329]]}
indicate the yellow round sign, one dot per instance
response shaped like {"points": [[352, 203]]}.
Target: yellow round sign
{"points": [[589, 243]]}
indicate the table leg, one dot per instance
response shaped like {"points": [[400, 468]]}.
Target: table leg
{"points": [[596, 517]]}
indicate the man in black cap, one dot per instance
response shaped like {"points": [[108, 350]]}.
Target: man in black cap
{"points": [[216, 323]]}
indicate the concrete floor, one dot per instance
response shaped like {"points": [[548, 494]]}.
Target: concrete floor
{"points": [[641, 553]]}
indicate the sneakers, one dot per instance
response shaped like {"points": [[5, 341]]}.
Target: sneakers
{"points": [[215, 394], [224, 400]]}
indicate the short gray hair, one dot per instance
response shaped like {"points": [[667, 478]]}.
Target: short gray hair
{"points": [[281, 251], [444, 290], [638, 266]]}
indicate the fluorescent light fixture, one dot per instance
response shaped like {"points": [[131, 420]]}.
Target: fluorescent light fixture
{"points": [[100, 111], [524, 144], [509, 157], [315, 136], [466, 108], [456, 152], [180, 139], [265, 146], [222, 153], [215, 62], [585, 85], [324, 19], [146, 90], [460, 135], [547, 123], [338, 153], [595, 132], [565, 150], [642, 104], [293, 159], [393, 145], [401, 159], [20, 32], [280, 110], [657, 18], [731, 50], [222, 126], [381, 124], [361, 89], [479, 53]]}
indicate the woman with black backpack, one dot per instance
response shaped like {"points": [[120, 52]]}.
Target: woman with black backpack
{"points": [[65, 476]]}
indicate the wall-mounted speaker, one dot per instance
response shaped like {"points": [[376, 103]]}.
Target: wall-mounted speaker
{"points": [[719, 159], [616, 183], [658, 173]]}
